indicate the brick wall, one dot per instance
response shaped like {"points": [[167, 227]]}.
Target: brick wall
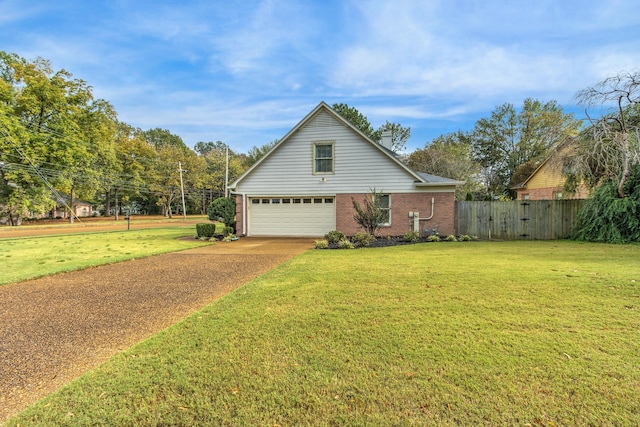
{"points": [[239, 230], [401, 204], [547, 193]]}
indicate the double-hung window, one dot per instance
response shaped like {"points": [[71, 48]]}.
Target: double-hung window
{"points": [[323, 158], [384, 203]]}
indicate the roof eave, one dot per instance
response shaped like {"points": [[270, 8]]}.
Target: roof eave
{"points": [[440, 184]]}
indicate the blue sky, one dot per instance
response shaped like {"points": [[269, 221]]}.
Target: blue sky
{"points": [[245, 72]]}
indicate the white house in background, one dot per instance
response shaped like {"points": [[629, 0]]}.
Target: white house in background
{"points": [[304, 186]]}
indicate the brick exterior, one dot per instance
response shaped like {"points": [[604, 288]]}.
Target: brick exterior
{"points": [[547, 193], [239, 230], [401, 204]]}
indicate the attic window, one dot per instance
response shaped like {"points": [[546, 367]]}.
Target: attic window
{"points": [[323, 157]]}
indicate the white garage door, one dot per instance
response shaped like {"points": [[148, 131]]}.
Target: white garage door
{"points": [[291, 216]]}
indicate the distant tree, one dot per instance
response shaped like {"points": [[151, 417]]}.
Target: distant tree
{"points": [[161, 137], [129, 179], [399, 135], [256, 153], [509, 139], [449, 156]]}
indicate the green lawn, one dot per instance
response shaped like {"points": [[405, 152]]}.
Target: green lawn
{"points": [[481, 333], [27, 258]]}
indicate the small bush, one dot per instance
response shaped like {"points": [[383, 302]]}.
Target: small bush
{"points": [[334, 236], [411, 236], [465, 238], [450, 238], [229, 237], [223, 209], [205, 230], [362, 238], [228, 231], [345, 244], [433, 238], [322, 244]]}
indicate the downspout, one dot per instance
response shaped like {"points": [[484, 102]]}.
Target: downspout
{"points": [[245, 209]]}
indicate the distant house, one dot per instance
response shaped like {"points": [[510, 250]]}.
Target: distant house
{"points": [[82, 209], [547, 181], [304, 186]]}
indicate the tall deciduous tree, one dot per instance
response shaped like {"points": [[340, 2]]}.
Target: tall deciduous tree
{"points": [[63, 127], [256, 152], [510, 138], [449, 156]]}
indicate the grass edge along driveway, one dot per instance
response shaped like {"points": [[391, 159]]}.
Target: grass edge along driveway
{"points": [[515, 333], [31, 257]]}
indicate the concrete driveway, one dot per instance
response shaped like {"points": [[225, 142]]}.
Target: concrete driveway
{"points": [[54, 329]]}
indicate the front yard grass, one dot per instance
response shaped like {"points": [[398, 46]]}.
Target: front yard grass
{"points": [[29, 257], [512, 333]]}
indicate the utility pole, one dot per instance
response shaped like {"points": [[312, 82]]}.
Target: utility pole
{"points": [[226, 174], [184, 211]]}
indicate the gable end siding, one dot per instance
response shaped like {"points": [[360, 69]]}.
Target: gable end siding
{"points": [[359, 167]]}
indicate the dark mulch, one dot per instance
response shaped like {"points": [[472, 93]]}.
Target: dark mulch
{"points": [[383, 242]]}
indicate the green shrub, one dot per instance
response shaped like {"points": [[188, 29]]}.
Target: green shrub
{"points": [[607, 218], [334, 236], [205, 230], [465, 238], [322, 244], [450, 238], [345, 244], [411, 236], [228, 231], [433, 238], [229, 237], [223, 209], [362, 238]]}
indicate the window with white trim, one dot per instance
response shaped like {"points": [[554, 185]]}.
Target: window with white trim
{"points": [[323, 158]]}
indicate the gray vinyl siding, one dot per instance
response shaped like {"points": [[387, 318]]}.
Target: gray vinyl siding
{"points": [[358, 166]]}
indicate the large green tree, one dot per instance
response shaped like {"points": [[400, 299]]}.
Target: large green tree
{"points": [[449, 156], [56, 134], [509, 139]]}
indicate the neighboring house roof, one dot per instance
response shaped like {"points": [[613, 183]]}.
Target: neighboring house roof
{"points": [[421, 179], [547, 167]]}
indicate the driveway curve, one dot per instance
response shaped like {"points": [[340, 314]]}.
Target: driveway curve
{"points": [[55, 328]]}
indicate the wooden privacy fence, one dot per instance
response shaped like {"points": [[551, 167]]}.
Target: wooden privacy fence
{"points": [[517, 219]]}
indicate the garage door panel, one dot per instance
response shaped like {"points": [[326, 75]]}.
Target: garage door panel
{"points": [[278, 216]]}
